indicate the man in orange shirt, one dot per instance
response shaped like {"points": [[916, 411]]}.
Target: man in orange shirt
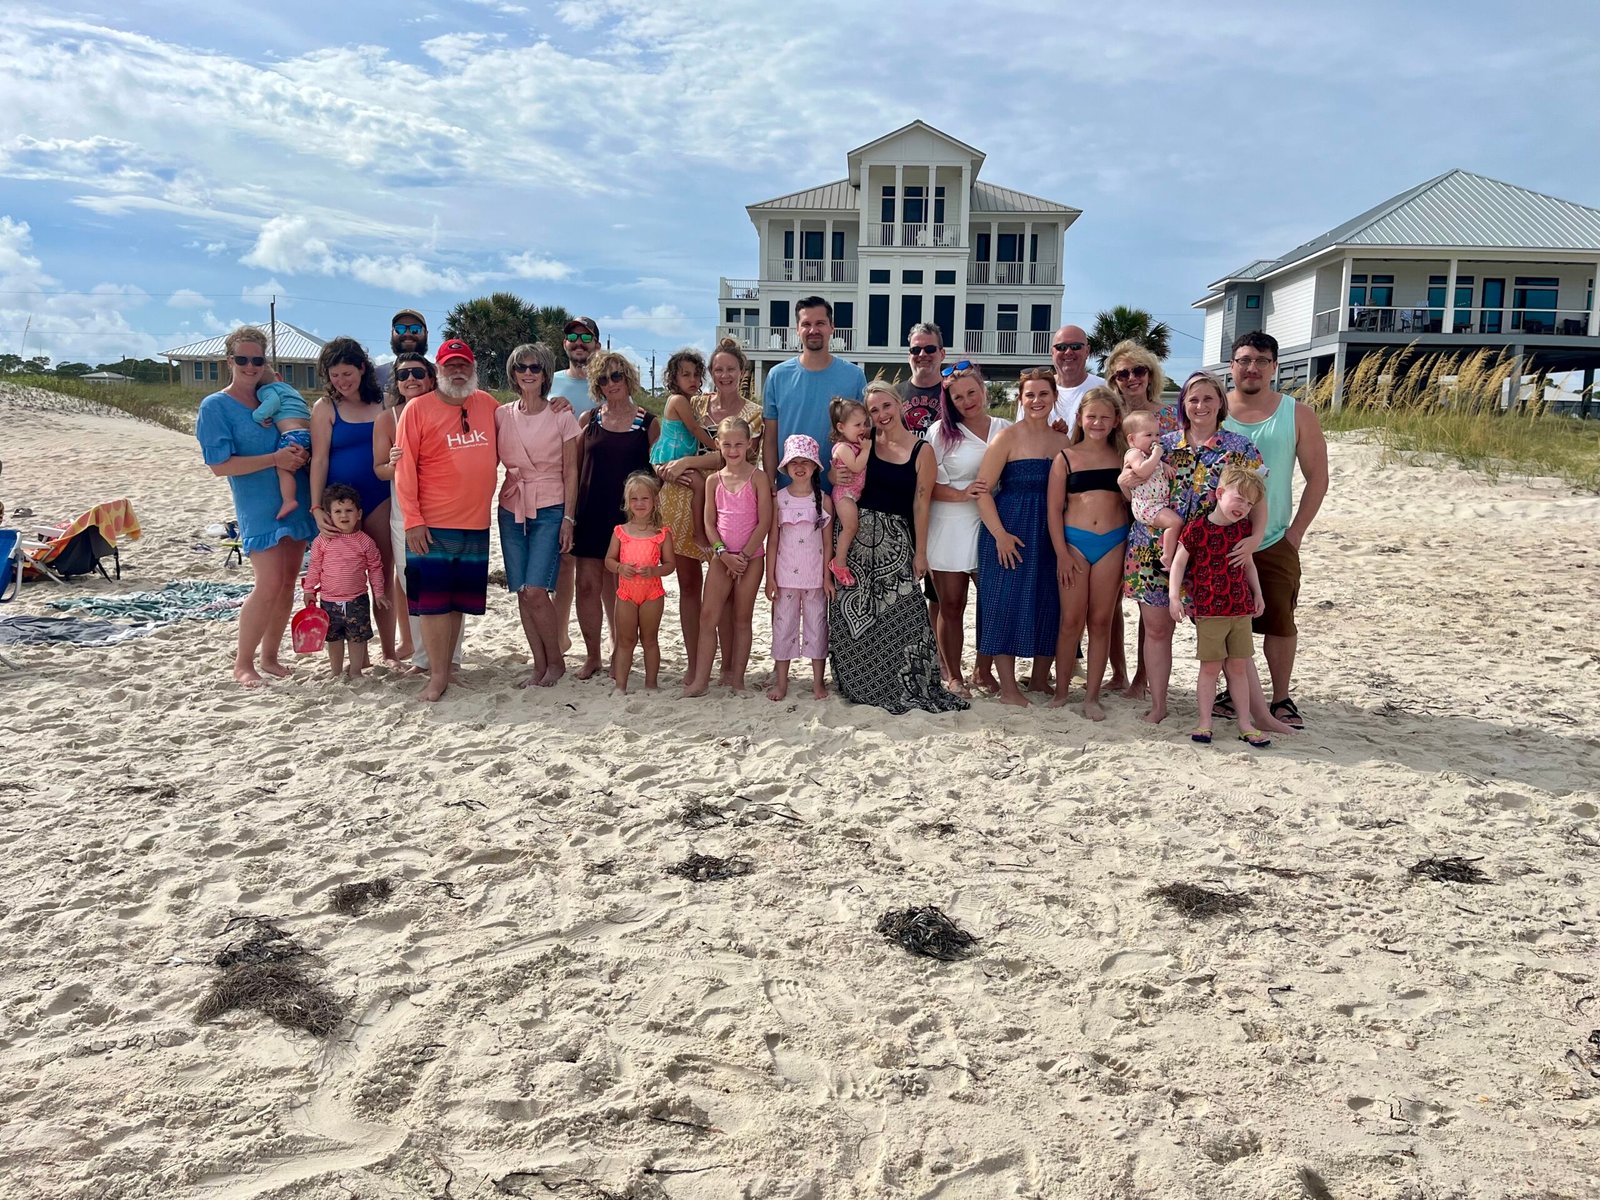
{"points": [[445, 482]]}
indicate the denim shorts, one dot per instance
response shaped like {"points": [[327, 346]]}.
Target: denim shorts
{"points": [[532, 548]]}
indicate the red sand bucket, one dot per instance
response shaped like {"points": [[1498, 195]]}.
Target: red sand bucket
{"points": [[309, 630]]}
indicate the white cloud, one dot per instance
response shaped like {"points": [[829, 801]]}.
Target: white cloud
{"points": [[187, 298], [529, 265], [665, 322], [66, 327]]}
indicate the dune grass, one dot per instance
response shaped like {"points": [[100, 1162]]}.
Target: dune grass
{"points": [[1420, 405], [166, 404]]}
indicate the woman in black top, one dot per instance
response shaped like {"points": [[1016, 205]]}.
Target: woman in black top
{"points": [[616, 442], [879, 637]]}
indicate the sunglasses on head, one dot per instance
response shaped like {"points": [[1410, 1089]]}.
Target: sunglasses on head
{"points": [[963, 365], [408, 328], [1127, 373], [249, 360], [916, 350], [616, 377], [530, 368], [585, 338], [411, 373], [1063, 347]]}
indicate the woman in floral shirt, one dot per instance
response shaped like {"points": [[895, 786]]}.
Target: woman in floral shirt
{"points": [[1195, 456]]}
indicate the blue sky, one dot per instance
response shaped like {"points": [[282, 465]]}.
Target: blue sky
{"points": [[164, 168]]}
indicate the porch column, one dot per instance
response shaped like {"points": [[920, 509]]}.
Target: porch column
{"points": [[1338, 358], [1515, 382], [899, 209], [794, 263], [1594, 305], [1588, 393], [966, 203], [827, 251], [1344, 321], [1448, 325], [1027, 257]]}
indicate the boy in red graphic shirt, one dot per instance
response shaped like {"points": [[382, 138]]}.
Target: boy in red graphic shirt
{"points": [[1223, 595], [343, 566]]}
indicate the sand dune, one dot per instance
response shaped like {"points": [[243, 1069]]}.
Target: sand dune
{"points": [[539, 1003]]}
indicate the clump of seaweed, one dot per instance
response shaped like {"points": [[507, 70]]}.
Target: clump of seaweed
{"points": [[941, 829], [697, 814], [351, 898], [926, 930], [1192, 900], [707, 868], [271, 973], [1454, 869]]}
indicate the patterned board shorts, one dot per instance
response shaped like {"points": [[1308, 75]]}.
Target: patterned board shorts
{"points": [[452, 577], [349, 620], [295, 437]]}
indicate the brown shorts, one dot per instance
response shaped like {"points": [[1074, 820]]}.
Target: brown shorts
{"points": [[1219, 638], [1279, 568]]}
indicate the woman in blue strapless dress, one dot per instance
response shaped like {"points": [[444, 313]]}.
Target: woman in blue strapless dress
{"points": [[341, 452], [1021, 611]]}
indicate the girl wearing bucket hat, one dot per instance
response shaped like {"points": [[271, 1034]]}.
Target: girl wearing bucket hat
{"points": [[799, 549]]}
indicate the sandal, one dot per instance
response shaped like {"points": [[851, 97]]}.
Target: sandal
{"points": [[1255, 738], [1286, 712], [1203, 736], [1223, 705]]}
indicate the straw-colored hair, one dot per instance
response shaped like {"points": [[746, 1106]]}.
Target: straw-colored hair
{"points": [[1108, 397], [603, 364], [731, 346], [1245, 481], [1134, 354], [648, 481], [839, 410], [245, 333]]}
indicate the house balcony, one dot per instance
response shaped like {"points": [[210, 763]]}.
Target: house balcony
{"points": [[739, 289], [912, 235], [982, 345], [1409, 321], [771, 337], [988, 344], [1013, 274], [811, 270]]}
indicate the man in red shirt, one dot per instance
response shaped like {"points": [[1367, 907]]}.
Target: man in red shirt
{"points": [[1224, 594], [445, 482]]}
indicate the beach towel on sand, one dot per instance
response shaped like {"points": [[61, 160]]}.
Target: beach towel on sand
{"points": [[200, 600]]}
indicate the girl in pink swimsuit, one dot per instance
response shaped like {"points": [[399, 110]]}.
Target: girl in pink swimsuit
{"points": [[640, 556], [738, 515]]}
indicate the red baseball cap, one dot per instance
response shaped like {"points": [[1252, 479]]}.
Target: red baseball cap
{"points": [[454, 348]]}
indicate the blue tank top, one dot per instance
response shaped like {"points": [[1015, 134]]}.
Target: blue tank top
{"points": [[1275, 438]]}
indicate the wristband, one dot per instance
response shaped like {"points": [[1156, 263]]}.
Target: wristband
{"points": [[719, 548], [569, 520]]}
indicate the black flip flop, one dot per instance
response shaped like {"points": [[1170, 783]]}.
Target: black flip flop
{"points": [[1286, 712]]}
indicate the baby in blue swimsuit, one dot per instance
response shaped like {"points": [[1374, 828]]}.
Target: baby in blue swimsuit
{"points": [[279, 404]]}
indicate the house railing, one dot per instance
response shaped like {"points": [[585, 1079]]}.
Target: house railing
{"points": [[913, 234], [1412, 319], [811, 270], [982, 343], [773, 337], [740, 289], [1013, 274]]}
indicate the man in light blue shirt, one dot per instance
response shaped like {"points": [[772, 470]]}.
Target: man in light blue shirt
{"points": [[581, 339], [796, 395]]}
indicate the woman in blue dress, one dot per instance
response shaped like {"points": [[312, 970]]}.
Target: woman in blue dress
{"points": [[1021, 611], [245, 453], [342, 425]]}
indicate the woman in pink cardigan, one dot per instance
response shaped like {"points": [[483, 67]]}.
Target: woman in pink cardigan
{"points": [[539, 450]]}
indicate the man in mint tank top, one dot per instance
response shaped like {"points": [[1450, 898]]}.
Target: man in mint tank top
{"points": [[797, 391], [1286, 433]]}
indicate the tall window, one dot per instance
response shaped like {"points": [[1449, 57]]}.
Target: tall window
{"points": [[211, 370], [1358, 291], [1436, 286], [1533, 304], [938, 206], [886, 212], [844, 314], [916, 207], [199, 371], [980, 251], [1380, 294]]}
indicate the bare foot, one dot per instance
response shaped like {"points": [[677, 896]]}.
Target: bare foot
{"points": [[1156, 715], [1271, 724], [287, 507], [552, 673], [531, 681], [590, 666], [247, 677], [1014, 698], [691, 690], [1059, 700], [1135, 690], [779, 690], [819, 691], [1092, 710], [1117, 683], [275, 669], [435, 690], [984, 681], [565, 642], [958, 687]]}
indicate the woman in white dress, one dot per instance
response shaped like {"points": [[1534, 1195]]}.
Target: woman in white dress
{"points": [[958, 440]]}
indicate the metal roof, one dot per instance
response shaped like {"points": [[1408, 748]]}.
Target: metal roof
{"points": [[836, 195], [294, 345], [1253, 270], [986, 197]]}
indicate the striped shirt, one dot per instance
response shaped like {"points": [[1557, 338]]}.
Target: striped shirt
{"points": [[342, 565]]}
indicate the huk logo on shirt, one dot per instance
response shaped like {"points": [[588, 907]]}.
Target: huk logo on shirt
{"points": [[461, 441]]}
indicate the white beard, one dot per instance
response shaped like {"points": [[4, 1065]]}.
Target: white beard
{"points": [[458, 391]]}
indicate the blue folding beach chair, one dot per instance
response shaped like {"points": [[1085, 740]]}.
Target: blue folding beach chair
{"points": [[10, 564]]}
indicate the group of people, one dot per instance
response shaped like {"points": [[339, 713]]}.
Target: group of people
{"points": [[866, 513]]}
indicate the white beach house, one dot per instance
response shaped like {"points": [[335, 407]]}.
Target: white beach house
{"points": [[910, 234], [201, 364], [1460, 263]]}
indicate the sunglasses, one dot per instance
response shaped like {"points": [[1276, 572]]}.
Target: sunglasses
{"points": [[916, 350], [1064, 347], [465, 428], [530, 368], [963, 365], [615, 377], [411, 373], [1128, 373], [408, 329], [249, 360], [585, 338]]}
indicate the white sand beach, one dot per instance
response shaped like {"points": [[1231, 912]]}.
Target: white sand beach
{"points": [[539, 1009]]}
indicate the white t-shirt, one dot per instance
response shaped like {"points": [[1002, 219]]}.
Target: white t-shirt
{"points": [[1067, 399]]}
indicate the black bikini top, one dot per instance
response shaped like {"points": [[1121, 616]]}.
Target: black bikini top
{"points": [[1102, 479]]}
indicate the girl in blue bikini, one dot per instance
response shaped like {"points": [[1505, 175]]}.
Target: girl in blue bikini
{"points": [[1088, 523]]}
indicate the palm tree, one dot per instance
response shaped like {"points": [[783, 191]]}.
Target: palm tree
{"points": [[495, 325], [1122, 324]]}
